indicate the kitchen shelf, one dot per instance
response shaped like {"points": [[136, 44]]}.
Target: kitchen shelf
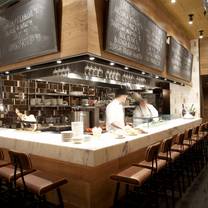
{"points": [[50, 94], [130, 106], [50, 106], [82, 95]]}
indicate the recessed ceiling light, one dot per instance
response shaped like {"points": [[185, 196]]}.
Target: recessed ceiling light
{"points": [[174, 82], [190, 19], [91, 58], [165, 79], [7, 72], [173, 1], [157, 77], [126, 68], [143, 73], [28, 67], [59, 61], [112, 64], [201, 35]]}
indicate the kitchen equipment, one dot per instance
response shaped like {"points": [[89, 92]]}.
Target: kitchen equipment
{"points": [[83, 116], [85, 102], [60, 101], [55, 128], [53, 101], [32, 101]]}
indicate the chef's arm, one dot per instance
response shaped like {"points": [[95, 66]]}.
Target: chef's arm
{"points": [[117, 124]]}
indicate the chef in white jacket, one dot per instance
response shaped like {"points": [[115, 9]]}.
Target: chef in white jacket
{"points": [[115, 117], [143, 111]]}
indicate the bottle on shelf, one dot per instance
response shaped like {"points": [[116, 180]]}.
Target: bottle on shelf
{"points": [[183, 110]]}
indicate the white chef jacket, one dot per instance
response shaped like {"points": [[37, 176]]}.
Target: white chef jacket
{"points": [[147, 112], [114, 113]]}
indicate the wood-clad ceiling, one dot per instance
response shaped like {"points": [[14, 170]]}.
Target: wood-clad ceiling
{"points": [[180, 11]]}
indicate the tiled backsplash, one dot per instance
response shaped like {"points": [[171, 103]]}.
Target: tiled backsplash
{"points": [[187, 95]]}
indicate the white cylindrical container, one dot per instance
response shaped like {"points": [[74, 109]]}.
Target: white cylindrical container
{"points": [[78, 131]]}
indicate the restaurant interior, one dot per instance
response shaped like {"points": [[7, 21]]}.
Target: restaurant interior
{"points": [[103, 103]]}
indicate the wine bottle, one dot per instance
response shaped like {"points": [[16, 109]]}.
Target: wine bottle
{"points": [[183, 110]]}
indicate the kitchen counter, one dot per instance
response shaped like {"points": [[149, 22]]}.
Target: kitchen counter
{"points": [[88, 166], [93, 151]]}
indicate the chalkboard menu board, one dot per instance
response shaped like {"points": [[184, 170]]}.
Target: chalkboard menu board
{"points": [[133, 35], [179, 61], [27, 29]]}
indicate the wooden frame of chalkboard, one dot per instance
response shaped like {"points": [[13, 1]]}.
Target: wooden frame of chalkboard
{"points": [[180, 61], [27, 30], [146, 54]]}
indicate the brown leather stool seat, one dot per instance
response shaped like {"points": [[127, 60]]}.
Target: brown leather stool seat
{"points": [[38, 182], [174, 155], [165, 150], [3, 162], [188, 138], [179, 146], [7, 173], [133, 175], [137, 175], [151, 160]]}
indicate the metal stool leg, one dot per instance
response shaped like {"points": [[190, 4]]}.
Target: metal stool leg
{"points": [[116, 195], [61, 203]]}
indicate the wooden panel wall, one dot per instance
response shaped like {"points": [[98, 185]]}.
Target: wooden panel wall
{"points": [[204, 56], [96, 30], [72, 33], [82, 30]]}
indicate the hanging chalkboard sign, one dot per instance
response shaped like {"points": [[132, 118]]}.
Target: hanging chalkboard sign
{"points": [[27, 29], [179, 61], [133, 35]]}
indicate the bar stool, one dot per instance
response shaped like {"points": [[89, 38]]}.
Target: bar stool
{"points": [[136, 176], [181, 164], [37, 182], [3, 162], [169, 174]]}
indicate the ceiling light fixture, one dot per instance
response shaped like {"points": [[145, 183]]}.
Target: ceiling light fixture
{"points": [[112, 64], [92, 58], [126, 68], [173, 1], [157, 77], [143, 73], [59, 61], [201, 35], [7, 72], [28, 67], [190, 19]]}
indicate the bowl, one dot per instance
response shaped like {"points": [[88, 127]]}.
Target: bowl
{"points": [[66, 136], [77, 140]]}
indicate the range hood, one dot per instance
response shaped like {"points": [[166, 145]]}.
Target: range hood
{"points": [[90, 73], [7, 3]]}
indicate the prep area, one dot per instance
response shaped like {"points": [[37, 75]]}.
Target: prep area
{"points": [[89, 165]]}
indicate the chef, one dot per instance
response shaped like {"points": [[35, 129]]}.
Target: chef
{"points": [[28, 119], [143, 111], [115, 118]]}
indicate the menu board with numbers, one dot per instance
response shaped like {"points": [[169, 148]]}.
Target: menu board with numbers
{"points": [[179, 61], [27, 29], [133, 35]]}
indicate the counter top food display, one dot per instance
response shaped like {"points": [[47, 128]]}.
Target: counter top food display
{"points": [[93, 150]]}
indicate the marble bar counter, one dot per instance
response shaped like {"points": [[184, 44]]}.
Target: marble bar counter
{"points": [[89, 165]]}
